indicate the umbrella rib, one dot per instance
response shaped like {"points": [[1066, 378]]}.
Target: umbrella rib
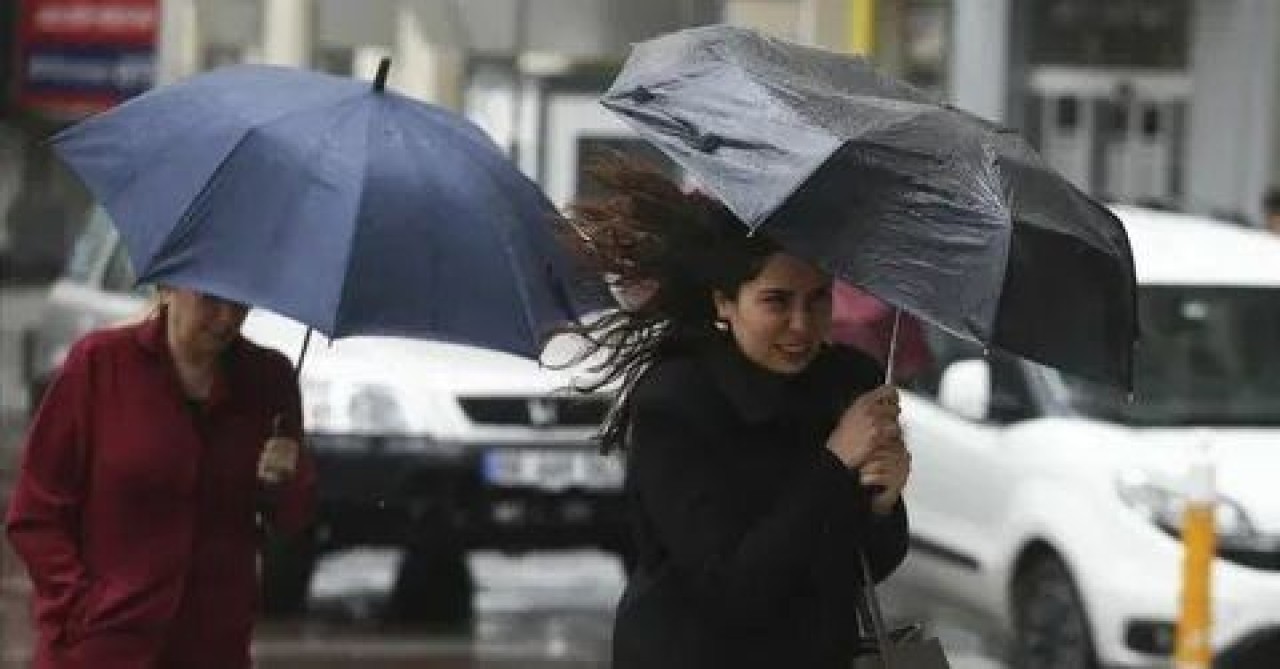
{"points": [[186, 222], [530, 319], [173, 146], [355, 231]]}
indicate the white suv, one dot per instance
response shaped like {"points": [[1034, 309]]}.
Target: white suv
{"points": [[1051, 506], [432, 446]]}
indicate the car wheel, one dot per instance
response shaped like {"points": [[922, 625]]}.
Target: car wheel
{"points": [[433, 586], [287, 565], [1051, 630]]}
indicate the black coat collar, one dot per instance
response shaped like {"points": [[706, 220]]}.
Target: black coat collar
{"points": [[758, 394]]}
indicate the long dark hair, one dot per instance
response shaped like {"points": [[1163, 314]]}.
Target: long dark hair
{"points": [[644, 230]]}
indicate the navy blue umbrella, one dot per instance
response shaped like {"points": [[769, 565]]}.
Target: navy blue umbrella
{"points": [[348, 207]]}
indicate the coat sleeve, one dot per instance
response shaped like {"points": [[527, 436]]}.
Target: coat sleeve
{"points": [[884, 539], [293, 505], [44, 512], [742, 571], [887, 541]]}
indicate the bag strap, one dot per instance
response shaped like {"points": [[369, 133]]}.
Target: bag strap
{"points": [[872, 602]]}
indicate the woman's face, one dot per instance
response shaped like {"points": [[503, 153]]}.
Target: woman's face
{"points": [[781, 318], [202, 324]]}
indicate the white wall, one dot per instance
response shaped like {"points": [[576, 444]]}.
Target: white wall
{"points": [[980, 38], [1231, 147]]}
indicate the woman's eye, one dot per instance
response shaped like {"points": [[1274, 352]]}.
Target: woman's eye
{"points": [[775, 300]]}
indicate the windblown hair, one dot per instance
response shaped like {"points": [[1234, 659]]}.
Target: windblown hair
{"points": [[645, 231]]}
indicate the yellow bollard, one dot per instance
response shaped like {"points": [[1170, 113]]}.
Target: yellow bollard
{"points": [[1193, 649]]}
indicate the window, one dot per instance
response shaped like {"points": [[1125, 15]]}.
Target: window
{"points": [[1207, 357], [1117, 33], [1011, 396]]}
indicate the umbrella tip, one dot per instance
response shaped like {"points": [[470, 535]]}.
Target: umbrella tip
{"points": [[380, 80]]}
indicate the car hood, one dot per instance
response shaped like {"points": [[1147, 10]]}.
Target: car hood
{"points": [[429, 365]]}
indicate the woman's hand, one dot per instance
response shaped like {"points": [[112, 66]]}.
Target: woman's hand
{"points": [[886, 472], [868, 438], [278, 461], [869, 424]]}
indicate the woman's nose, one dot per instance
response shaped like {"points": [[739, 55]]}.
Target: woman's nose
{"points": [[800, 320]]}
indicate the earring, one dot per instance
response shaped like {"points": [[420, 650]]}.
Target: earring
{"points": [[722, 324]]}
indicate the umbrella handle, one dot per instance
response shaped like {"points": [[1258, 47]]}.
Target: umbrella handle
{"points": [[893, 346], [874, 490], [302, 356]]}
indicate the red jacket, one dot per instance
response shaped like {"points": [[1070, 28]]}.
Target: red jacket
{"points": [[134, 511]]}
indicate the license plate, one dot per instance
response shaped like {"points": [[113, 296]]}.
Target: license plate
{"points": [[552, 470]]}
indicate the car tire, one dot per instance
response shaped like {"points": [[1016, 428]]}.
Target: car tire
{"points": [[1051, 628], [287, 566], [433, 586]]}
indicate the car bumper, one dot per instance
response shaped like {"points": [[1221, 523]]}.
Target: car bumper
{"points": [[382, 491], [1135, 610]]}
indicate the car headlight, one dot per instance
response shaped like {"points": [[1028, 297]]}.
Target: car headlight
{"points": [[375, 409], [1164, 506]]}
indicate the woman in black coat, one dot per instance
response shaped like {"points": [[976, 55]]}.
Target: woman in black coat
{"points": [[760, 459]]}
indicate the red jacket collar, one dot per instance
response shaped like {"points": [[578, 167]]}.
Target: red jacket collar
{"points": [[152, 335]]}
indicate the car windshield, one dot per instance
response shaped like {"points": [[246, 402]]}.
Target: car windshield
{"points": [[1207, 356]]}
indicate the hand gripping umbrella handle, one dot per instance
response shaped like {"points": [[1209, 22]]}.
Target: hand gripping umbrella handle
{"points": [[874, 490]]}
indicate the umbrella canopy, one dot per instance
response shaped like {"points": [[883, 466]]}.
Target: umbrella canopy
{"points": [[950, 217], [350, 208]]}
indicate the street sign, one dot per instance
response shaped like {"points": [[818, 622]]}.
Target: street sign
{"points": [[78, 57]]}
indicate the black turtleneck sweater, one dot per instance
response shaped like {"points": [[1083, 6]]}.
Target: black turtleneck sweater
{"points": [[747, 527]]}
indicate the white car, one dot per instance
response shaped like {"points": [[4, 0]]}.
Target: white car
{"points": [[1051, 507], [431, 446]]}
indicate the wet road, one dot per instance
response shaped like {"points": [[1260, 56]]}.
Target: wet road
{"points": [[539, 611]]}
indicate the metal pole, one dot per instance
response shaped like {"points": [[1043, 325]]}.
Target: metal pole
{"points": [[1193, 648], [893, 347]]}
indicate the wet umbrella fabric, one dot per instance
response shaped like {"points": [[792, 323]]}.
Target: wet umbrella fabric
{"points": [[345, 206], [938, 212]]}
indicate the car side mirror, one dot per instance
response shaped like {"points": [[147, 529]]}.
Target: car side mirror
{"points": [[965, 388]]}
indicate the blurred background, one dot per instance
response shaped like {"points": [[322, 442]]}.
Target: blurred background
{"points": [[1168, 102], [1171, 105]]}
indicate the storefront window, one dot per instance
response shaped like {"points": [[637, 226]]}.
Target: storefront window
{"points": [[1116, 33]]}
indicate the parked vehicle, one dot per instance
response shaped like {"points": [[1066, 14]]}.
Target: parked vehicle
{"points": [[431, 446], [1051, 506]]}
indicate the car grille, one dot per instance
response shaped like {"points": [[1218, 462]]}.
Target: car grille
{"points": [[537, 411]]}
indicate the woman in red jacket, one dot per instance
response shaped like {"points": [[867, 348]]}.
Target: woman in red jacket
{"points": [[135, 509]]}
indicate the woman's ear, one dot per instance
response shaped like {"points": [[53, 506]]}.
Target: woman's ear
{"points": [[724, 305]]}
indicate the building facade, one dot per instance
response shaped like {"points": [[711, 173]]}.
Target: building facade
{"points": [[1169, 102]]}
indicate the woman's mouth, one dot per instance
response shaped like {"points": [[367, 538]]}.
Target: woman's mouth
{"points": [[795, 350]]}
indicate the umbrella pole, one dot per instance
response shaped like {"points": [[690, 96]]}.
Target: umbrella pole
{"points": [[302, 356], [893, 347]]}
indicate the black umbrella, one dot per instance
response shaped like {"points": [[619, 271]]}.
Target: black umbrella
{"points": [[934, 210]]}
